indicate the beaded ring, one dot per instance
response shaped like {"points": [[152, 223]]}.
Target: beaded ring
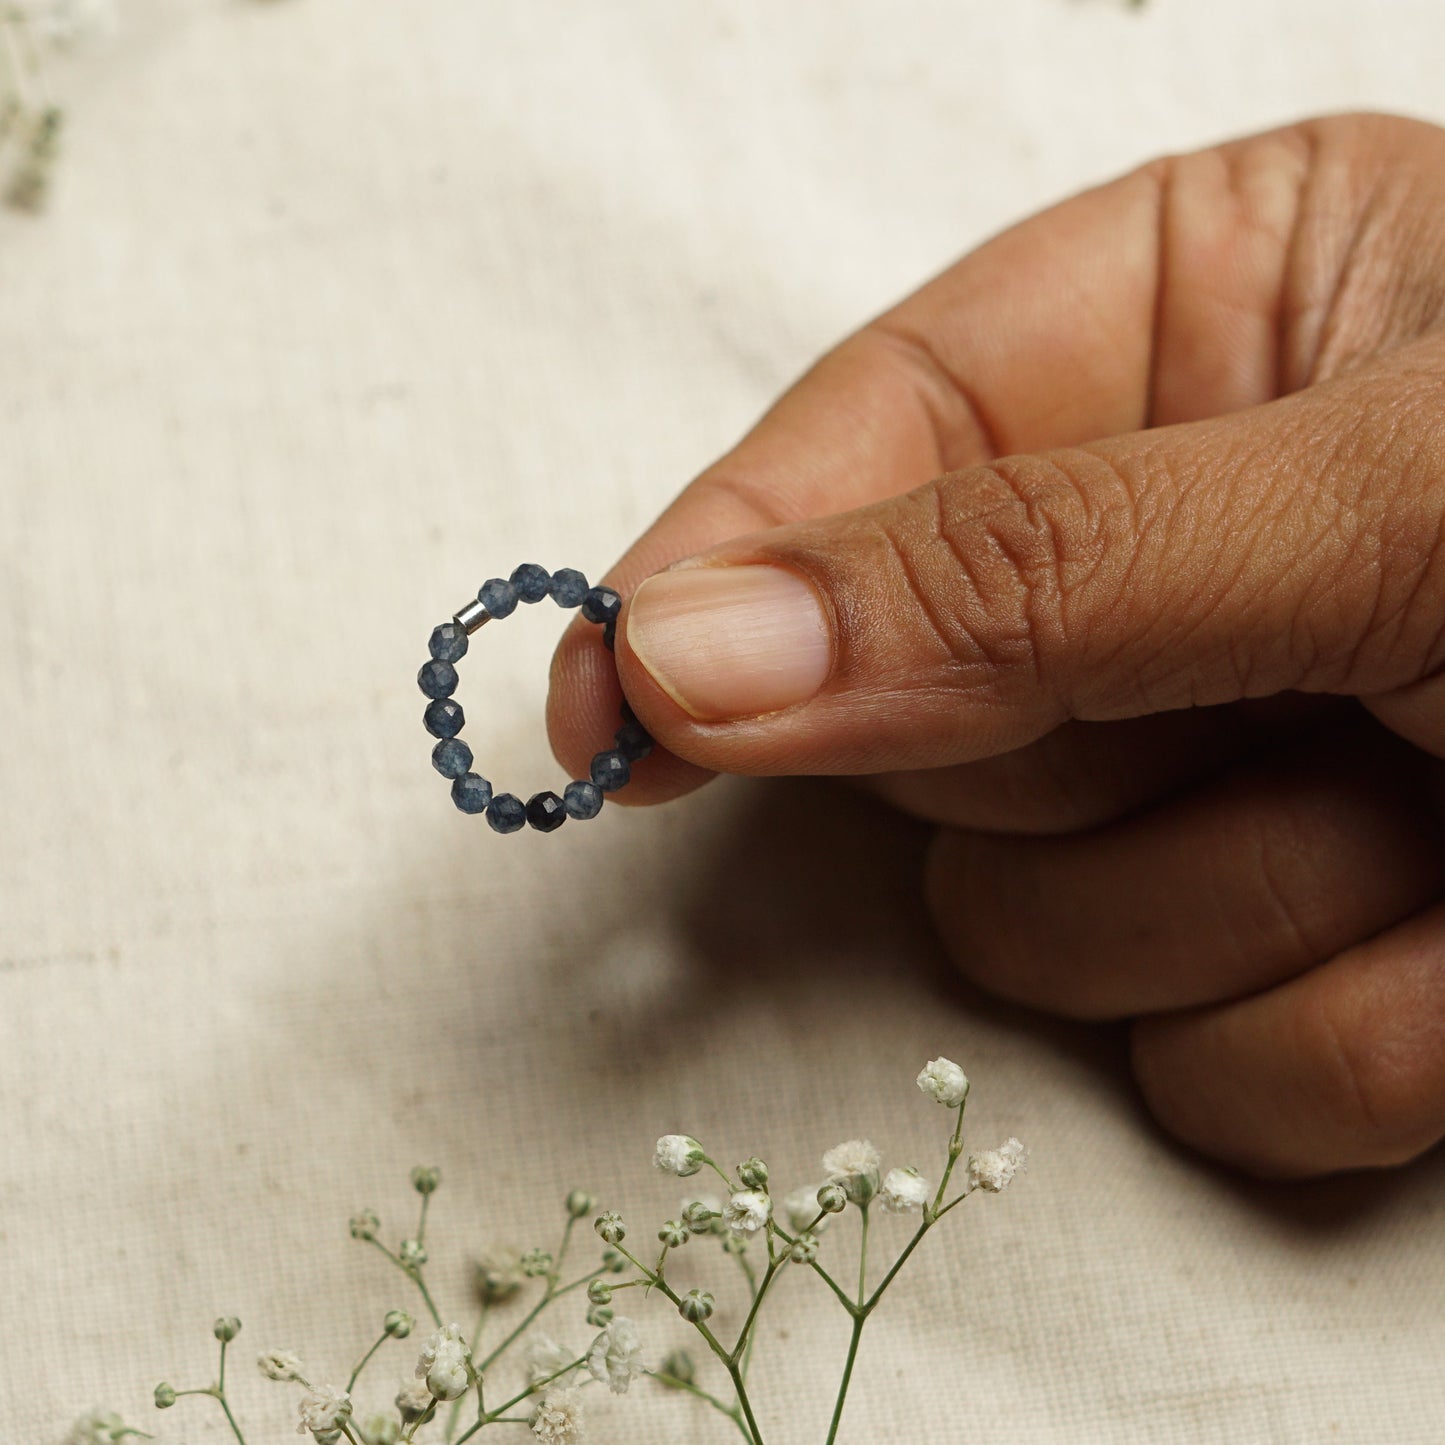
{"points": [[443, 719]]}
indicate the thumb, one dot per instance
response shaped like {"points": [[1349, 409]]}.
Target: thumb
{"points": [[1296, 545]]}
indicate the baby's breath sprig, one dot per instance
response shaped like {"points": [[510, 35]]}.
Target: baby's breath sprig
{"points": [[768, 1241]]}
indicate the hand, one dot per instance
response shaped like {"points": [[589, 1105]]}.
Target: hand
{"points": [[1157, 647]]}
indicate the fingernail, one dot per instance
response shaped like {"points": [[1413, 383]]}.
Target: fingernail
{"points": [[731, 642]]}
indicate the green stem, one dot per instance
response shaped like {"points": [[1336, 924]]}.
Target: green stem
{"points": [[421, 1222], [863, 1259], [732, 1412], [361, 1363], [858, 1322], [822, 1274], [955, 1148], [745, 1404], [490, 1417], [758, 1294], [235, 1428], [426, 1295], [532, 1314], [726, 1179]]}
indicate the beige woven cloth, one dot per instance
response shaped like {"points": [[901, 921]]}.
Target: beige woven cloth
{"points": [[344, 305]]}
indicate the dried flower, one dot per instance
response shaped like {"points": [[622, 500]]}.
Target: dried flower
{"points": [[324, 1410], [943, 1080], [413, 1400], [365, 1225], [903, 1191], [994, 1169], [747, 1211], [498, 1274], [378, 1429], [444, 1363], [679, 1154], [559, 1416], [613, 1358], [543, 1357], [696, 1306], [610, 1227], [855, 1165], [279, 1364]]}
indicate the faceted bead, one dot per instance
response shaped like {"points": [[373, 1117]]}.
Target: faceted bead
{"points": [[498, 596], [601, 604], [506, 813], [569, 587], [451, 757], [610, 770], [532, 582], [633, 741], [582, 800], [443, 718], [437, 679], [545, 812], [471, 793], [448, 642]]}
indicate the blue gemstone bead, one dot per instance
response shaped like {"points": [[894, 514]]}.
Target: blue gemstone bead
{"points": [[471, 793], [545, 812], [451, 758], [498, 596], [448, 642], [610, 770], [532, 582], [506, 813], [601, 604], [437, 679], [582, 800], [443, 718], [569, 587], [633, 741]]}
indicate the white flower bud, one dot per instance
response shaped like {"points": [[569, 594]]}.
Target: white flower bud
{"points": [[994, 1169], [832, 1198], [753, 1173], [425, 1178], [943, 1080], [544, 1357], [397, 1324], [677, 1365], [903, 1191], [747, 1211], [679, 1154], [674, 1234], [324, 1410], [697, 1305], [536, 1263], [703, 1216], [412, 1253], [580, 1203], [600, 1315], [498, 1275], [599, 1292], [165, 1396], [378, 1430], [804, 1249], [445, 1364], [856, 1166], [615, 1355], [802, 1209], [279, 1365], [413, 1400], [226, 1329], [365, 1225], [559, 1416]]}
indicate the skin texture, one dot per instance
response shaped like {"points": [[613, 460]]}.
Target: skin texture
{"points": [[1126, 531]]}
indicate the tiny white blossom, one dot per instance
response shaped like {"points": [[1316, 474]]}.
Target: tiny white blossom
{"points": [[613, 1357], [443, 1363], [801, 1207], [324, 1410], [679, 1154], [994, 1169], [747, 1211], [855, 1165], [543, 1357], [559, 1416], [98, 1427], [943, 1080], [903, 1191], [279, 1364]]}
